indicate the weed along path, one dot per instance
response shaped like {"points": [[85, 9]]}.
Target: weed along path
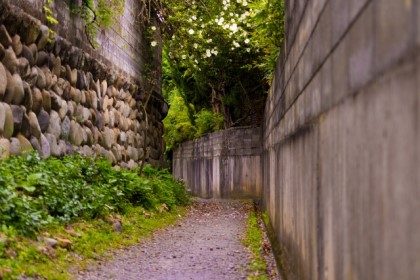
{"points": [[206, 244]]}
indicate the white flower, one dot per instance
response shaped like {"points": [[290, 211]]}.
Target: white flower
{"points": [[236, 44], [183, 56], [153, 43], [222, 13], [248, 49], [194, 18], [191, 31], [153, 28], [196, 61], [234, 27], [208, 53], [209, 40], [214, 51], [246, 41], [225, 8], [195, 45]]}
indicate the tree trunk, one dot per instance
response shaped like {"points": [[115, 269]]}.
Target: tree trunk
{"points": [[218, 106]]}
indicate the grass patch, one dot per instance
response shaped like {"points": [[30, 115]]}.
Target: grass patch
{"points": [[90, 241], [58, 215], [253, 240]]}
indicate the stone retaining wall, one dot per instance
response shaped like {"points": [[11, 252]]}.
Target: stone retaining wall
{"points": [[224, 164], [58, 99]]}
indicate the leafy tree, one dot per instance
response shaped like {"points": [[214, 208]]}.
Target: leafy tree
{"points": [[219, 55]]}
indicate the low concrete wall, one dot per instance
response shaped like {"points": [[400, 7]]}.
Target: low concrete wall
{"points": [[341, 141], [224, 164]]}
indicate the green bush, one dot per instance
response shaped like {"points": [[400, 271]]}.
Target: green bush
{"points": [[35, 192], [207, 121]]}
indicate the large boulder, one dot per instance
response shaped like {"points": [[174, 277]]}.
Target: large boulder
{"points": [[65, 128], [18, 113], [57, 66], [23, 68], [76, 134], [55, 124], [36, 100], [36, 144], [8, 124], [42, 58], [45, 147], [35, 129], [34, 49], [33, 77], [62, 112], [46, 100], [15, 147], [17, 45], [3, 81], [107, 138], [4, 148], [14, 92], [10, 60], [54, 147], [27, 100], [43, 120], [41, 81], [2, 117], [25, 145], [43, 36], [27, 53], [5, 38]]}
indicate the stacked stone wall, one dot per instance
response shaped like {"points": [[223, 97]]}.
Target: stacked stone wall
{"points": [[57, 99]]}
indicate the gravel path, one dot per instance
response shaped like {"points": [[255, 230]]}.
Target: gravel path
{"points": [[206, 244]]}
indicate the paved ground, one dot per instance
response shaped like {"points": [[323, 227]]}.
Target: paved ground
{"points": [[206, 244]]}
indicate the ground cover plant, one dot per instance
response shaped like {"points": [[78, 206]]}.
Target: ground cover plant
{"points": [[253, 239], [60, 212]]}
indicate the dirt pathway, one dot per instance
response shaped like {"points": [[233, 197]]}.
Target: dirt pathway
{"points": [[206, 244]]}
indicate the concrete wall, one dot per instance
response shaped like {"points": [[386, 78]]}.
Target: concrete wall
{"points": [[341, 136], [57, 98], [224, 164]]}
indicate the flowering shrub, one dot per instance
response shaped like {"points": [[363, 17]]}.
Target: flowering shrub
{"points": [[219, 55]]}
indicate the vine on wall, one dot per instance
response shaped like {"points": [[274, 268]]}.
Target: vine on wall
{"points": [[96, 15]]}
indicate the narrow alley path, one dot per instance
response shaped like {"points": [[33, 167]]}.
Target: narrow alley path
{"points": [[206, 244]]}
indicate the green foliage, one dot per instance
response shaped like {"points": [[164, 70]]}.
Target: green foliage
{"points": [[102, 15], [253, 240], [268, 32], [180, 126], [219, 56], [35, 193], [207, 121]]}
